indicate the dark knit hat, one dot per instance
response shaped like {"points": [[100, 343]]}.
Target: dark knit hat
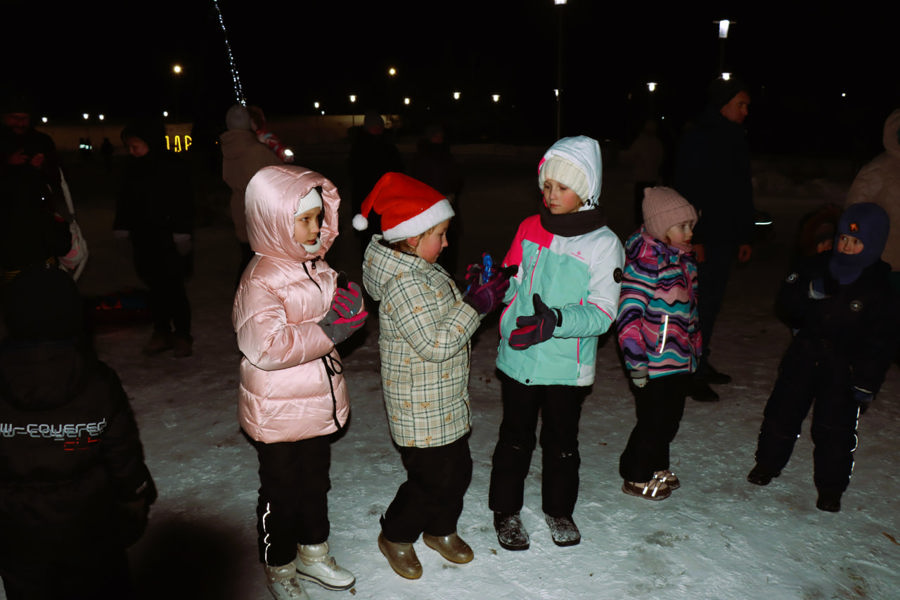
{"points": [[42, 304], [663, 207], [870, 224], [721, 91], [149, 129]]}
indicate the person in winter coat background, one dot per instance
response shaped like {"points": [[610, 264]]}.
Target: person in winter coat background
{"points": [[74, 489], [34, 217], [659, 335], [289, 314], [564, 296], [425, 326], [879, 182], [155, 210], [843, 312], [712, 170], [242, 156]]}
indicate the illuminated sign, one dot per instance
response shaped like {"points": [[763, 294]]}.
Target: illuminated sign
{"points": [[178, 143]]}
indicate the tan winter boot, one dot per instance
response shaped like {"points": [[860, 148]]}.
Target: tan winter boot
{"points": [[284, 582], [314, 564], [401, 556], [452, 547]]}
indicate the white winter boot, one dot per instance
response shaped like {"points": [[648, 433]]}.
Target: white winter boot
{"points": [[284, 582], [315, 564]]}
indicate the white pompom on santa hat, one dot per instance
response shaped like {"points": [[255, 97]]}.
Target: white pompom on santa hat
{"points": [[407, 207]]}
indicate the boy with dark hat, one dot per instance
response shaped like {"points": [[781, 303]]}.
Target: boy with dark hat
{"points": [[74, 488], [843, 311]]}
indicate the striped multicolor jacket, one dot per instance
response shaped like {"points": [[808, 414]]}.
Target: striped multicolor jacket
{"points": [[657, 323], [424, 342]]}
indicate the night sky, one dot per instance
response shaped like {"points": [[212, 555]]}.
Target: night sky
{"points": [[798, 57]]}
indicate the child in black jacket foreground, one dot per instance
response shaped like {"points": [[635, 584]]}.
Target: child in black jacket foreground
{"points": [[74, 489], [844, 317]]}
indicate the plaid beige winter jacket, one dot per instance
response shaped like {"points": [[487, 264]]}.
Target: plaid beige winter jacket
{"points": [[424, 344]]}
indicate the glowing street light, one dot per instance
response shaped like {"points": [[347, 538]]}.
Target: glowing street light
{"points": [[559, 63], [724, 25], [651, 86], [407, 101], [177, 69], [495, 98], [352, 98], [457, 95], [392, 72]]}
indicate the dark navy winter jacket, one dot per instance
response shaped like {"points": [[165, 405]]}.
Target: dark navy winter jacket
{"points": [[855, 324]]}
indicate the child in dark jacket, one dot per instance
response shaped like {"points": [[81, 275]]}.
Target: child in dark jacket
{"points": [[74, 488], [659, 334], [843, 313]]}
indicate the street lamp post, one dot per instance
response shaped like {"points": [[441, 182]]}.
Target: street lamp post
{"points": [[559, 64], [724, 25]]}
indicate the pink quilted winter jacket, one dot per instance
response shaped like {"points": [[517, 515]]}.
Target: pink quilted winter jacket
{"points": [[291, 387]]}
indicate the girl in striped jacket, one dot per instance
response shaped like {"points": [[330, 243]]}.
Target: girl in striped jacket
{"points": [[659, 335]]}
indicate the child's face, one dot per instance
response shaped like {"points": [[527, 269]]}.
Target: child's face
{"points": [[137, 147], [306, 226], [847, 244], [560, 199], [431, 243], [680, 234]]}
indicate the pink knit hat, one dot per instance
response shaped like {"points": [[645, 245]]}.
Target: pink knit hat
{"points": [[663, 207]]}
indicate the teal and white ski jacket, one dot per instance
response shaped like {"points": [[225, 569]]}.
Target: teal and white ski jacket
{"points": [[578, 274]]}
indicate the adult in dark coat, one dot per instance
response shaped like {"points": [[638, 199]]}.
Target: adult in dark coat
{"points": [[74, 488], [844, 314], [712, 172], [434, 164], [155, 209], [371, 156], [34, 218]]}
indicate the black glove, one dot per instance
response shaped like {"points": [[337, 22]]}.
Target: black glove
{"points": [[536, 328]]}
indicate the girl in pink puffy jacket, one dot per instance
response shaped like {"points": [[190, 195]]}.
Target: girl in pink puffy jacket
{"points": [[289, 313]]}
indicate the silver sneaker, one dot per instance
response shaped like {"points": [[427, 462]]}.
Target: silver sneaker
{"points": [[313, 563], [284, 583]]}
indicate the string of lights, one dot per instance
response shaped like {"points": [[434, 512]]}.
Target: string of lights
{"points": [[235, 77]]}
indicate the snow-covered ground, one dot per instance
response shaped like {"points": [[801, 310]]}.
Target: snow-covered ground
{"points": [[718, 537]]}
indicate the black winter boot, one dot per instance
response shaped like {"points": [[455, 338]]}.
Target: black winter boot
{"points": [[829, 501], [760, 476], [563, 530], [511, 533]]}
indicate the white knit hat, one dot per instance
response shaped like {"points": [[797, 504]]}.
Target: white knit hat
{"points": [[577, 163], [308, 202]]}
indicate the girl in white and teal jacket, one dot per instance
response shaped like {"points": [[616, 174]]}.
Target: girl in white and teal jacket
{"points": [[563, 297]]}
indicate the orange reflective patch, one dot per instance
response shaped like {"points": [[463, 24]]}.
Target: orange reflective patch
{"points": [[854, 227]]}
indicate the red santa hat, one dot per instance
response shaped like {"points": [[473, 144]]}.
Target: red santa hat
{"points": [[407, 207]]}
